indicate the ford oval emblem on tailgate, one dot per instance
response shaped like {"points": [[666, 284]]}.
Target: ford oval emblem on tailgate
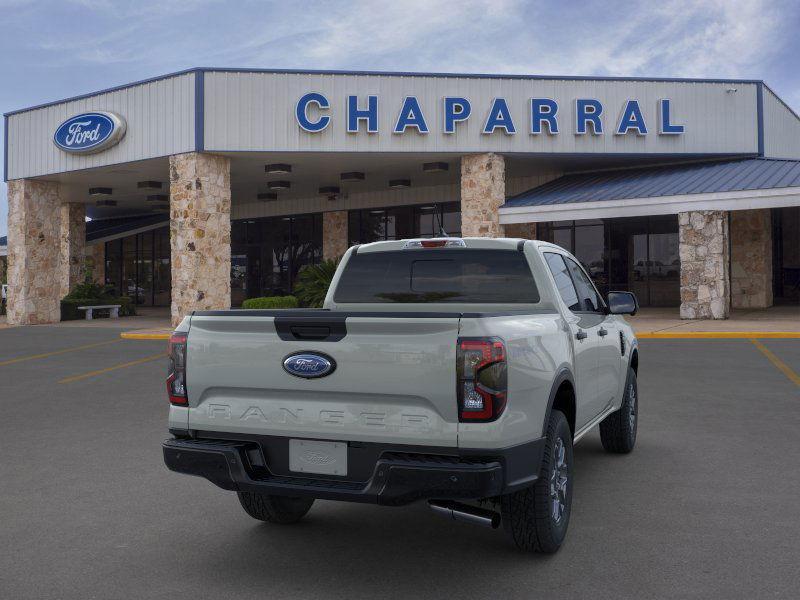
{"points": [[309, 365]]}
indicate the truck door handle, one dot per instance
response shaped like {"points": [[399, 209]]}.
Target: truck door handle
{"points": [[602, 332], [581, 335]]}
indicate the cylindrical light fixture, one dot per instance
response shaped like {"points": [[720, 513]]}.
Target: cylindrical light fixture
{"points": [[279, 185], [329, 189], [100, 191], [106, 203], [435, 167], [159, 207], [399, 183], [267, 196], [352, 176], [278, 168], [157, 198]]}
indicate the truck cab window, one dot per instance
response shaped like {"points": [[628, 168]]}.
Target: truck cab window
{"points": [[587, 295], [566, 288]]}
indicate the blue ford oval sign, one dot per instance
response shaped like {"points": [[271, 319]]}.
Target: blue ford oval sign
{"points": [[90, 132], [309, 365]]}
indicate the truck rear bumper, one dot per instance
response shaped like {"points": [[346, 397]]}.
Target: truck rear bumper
{"points": [[400, 476]]}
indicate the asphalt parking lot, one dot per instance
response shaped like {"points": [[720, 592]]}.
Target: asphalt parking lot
{"points": [[706, 506]]}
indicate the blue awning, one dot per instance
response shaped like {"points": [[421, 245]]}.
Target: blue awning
{"points": [[672, 180]]}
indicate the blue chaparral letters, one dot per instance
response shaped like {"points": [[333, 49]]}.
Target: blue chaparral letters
{"points": [[301, 112], [410, 116], [355, 115], [544, 110], [631, 119], [665, 127], [499, 117], [89, 132], [588, 111], [455, 111]]}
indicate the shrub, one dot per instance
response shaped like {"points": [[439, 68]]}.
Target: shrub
{"points": [[313, 282], [70, 312], [271, 302]]}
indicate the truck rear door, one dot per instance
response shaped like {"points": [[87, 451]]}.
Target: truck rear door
{"points": [[392, 377]]}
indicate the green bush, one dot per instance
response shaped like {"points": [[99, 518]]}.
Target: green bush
{"points": [[313, 282], [70, 312], [271, 302]]}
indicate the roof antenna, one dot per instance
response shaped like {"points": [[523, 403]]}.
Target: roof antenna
{"points": [[442, 232]]}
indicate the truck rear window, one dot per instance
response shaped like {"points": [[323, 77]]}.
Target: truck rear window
{"points": [[438, 275]]}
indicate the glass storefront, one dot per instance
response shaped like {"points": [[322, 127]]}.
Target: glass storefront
{"points": [[266, 254], [375, 224], [638, 254], [786, 255], [139, 266]]}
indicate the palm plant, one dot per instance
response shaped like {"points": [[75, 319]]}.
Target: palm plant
{"points": [[313, 282]]}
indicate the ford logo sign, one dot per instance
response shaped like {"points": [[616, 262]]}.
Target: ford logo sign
{"points": [[90, 132], [309, 365]]}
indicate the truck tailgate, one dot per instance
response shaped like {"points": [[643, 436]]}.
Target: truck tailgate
{"points": [[394, 380]]}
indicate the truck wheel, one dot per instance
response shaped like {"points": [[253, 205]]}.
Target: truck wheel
{"points": [[274, 509], [537, 517], [618, 430]]}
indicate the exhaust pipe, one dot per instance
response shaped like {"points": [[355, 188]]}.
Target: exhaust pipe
{"points": [[465, 513]]}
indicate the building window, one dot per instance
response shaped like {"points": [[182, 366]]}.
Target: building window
{"points": [[267, 254], [633, 254], [427, 220], [138, 266]]}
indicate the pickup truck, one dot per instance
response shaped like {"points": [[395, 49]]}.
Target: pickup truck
{"points": [[454, 371]]}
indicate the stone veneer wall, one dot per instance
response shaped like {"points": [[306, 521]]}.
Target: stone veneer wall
{"points": [[525, 231], [334, 234], [483, 191], [33, 252], [200, 232], [751, 258], [72, 242], [96, 256], [703, 247]]}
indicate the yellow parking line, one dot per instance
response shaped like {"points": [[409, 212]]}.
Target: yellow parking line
{"points": [[779, 364], [54, 353], [114, 368]]}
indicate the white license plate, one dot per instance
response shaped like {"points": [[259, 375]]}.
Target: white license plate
{"points": [[323, 458]]}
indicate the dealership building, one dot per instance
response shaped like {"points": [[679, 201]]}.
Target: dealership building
{"points": [[210, 186]]}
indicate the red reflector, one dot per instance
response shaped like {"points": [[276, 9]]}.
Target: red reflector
{"points": [[433, 243], [481, 379]]}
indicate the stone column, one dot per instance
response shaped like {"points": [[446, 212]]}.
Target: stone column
{"points": [[200, 232], [483, 191], [334, 234], [33, 252], [526, 231], [751, 258], [96, 256], [73, 242], [703, 247]]}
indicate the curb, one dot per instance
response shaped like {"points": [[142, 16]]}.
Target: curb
{"points": [[717, 335], [132, 335]]}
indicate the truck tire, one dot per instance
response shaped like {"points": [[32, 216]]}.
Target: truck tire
{"points": [[618, 430], [537, 517], [274, 509]]}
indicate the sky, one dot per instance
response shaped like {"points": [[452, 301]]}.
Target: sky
{"points": [[58, 49]]}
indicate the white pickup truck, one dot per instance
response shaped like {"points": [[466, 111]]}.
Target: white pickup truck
{"points": [[457, 371]]}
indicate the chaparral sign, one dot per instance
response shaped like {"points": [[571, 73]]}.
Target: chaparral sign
{"points": [[588, 116], [90, 132]]}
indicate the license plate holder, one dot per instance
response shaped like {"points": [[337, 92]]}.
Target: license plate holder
{"points": [[317, 457]]}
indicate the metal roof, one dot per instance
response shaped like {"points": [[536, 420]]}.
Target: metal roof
{"points": [[671, 180]]}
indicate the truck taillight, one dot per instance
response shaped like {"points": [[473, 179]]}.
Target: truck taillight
{"points": [[481, 384], [176, 375]]}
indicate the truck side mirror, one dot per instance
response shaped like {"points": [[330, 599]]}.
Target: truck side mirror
{"points": [[622, 303]]}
